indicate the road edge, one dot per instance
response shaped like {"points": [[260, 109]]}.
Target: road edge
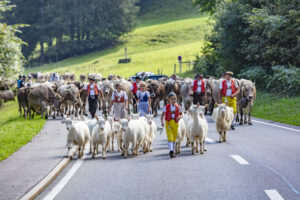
{"points": [[49, 178]]}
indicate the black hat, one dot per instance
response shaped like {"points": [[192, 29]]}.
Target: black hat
{"points": [[24, 76], [138, 78], [20, 76]]}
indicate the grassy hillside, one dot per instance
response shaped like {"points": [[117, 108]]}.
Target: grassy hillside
{"points": [[150, 48], [162, 11]]}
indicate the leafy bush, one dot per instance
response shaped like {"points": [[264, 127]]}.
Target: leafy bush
{"points": [[11, 58], [284, 80], [257, 74]]}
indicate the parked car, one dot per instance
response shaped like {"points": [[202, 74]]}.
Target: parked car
{"points": [[154, 77]]}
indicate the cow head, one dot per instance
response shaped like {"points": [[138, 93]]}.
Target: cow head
{"points": [[152, 88], [247, 91]]}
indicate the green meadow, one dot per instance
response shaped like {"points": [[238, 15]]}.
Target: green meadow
{"points": [[151, 48]]}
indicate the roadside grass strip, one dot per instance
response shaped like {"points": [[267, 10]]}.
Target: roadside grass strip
{"points": [[274, 195], [239, 159]]}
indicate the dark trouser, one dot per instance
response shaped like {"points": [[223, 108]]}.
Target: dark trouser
{"points": [[93, 105], [134, 102], [198, 98]]}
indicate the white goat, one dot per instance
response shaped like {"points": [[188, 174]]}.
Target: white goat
{"points": [[223, 115], [198, 128], [91, 123], [111, 122], [117, 130], [180, 135], [187, 121], [101, 134], [152, 132], [78, 134], [133, 132]]}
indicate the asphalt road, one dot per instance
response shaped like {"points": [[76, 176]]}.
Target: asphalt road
{"points": [[258, 162]]}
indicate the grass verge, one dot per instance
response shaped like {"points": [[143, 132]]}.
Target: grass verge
{"points": [[15, 131], [277, 108]]}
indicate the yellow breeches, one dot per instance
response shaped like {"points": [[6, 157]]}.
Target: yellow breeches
{"points": [[231, 102], [171, 129]]}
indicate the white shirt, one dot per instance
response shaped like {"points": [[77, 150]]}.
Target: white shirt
{"points": [[228, 92], [119, 95], [137, 84], [173, 108], [92, 92], [199, 83]]}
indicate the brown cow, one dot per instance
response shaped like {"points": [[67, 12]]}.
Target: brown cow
{"points": [[70, 97], [23, 100], [40, 97], [7, 95], [173, 86], [154, 95], [245, 101]]}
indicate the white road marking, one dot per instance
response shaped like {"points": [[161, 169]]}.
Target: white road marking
{"points": [[239, 159], [273, 195], [208, 140], [275, 125], [63, 182]]}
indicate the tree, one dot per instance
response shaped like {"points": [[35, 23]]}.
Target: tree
{"points": [[72, 27], [11, 58]]}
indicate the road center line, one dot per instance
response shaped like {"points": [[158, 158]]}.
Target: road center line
{"points": [[275, 125], [273, 195], [239, 159], [63, 182]]}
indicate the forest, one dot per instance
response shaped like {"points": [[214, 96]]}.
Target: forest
{"points": [[256, 39]]}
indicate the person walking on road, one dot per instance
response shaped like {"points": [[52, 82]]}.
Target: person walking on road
{"points": [[135, 87], [143, 100], [172, 113], [93, 90], [119, 101], [229, 89], [199, 90]]}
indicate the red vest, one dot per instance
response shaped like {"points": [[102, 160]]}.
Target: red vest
{"points": [[135, 88], [95, 89], [122, 99], [195, 87], [168, 116], [224, 87]]}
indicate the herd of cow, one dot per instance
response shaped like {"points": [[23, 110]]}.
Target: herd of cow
{"points": [[62, 97]]}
